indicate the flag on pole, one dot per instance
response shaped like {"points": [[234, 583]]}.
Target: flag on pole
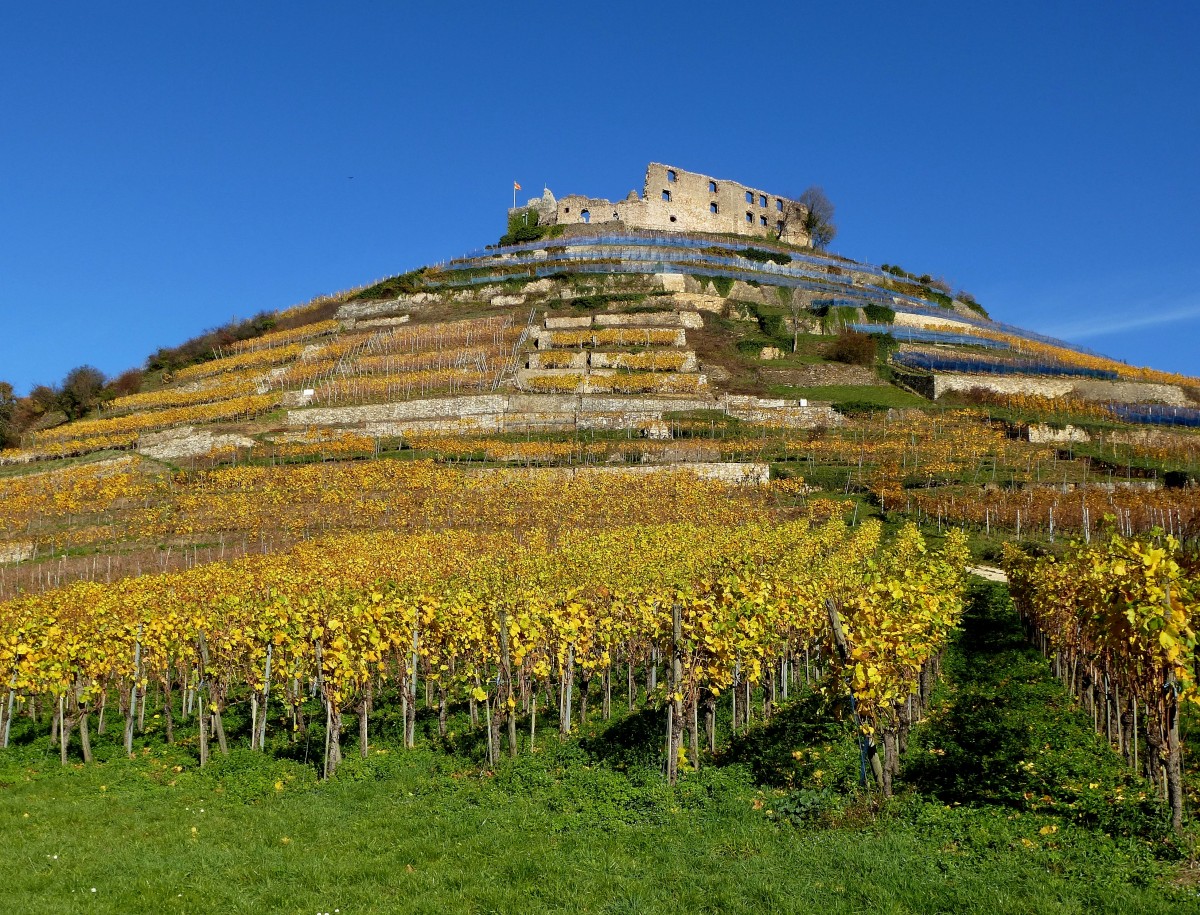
{"points": [[516, 187]]}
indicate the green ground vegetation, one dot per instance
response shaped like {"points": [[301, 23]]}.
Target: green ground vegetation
{"points": [[854, 398], [392, 287], [1010, 804]]}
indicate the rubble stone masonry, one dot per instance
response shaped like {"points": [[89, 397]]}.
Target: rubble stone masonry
{"points": [[676, 200]]}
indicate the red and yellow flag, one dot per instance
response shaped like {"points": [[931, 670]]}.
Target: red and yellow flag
{"points": [[516, 187]]}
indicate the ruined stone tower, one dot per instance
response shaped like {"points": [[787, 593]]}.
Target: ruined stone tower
{"points": [[673, 199]]}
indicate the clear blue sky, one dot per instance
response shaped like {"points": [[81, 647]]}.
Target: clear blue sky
{"points": [[164, 167]]}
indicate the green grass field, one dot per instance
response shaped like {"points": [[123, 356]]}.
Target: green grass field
{"points": [[879, 396], [591, 826]]}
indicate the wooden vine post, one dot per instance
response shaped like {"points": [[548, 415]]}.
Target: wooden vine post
{"points": [[134, 688], [675, 720], [506, 692]]}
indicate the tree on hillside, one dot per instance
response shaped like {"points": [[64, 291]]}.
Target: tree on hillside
{"points": [[817, 220], [42, 399], [853, 348], [810, 215], [128, 382], [80, 391], [31, 409], [8, 405], [796, 309]]}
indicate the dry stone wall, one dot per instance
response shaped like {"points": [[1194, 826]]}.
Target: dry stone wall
{"points": [[903, 319], [780, 412], [1042, 434], [188, 441], [510, 412], [738, 474], [16, 551], [1085, 388]]}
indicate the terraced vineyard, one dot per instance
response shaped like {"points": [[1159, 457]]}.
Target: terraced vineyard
{"points": [[654, 531]]}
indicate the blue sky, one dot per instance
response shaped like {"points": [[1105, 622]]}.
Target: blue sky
{"points": [[165, 167]]}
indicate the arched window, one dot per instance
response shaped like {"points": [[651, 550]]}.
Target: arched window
{"points": [[762, 221], [667, 196], [712, 187], [670, 174], [749, 197], [779, 205], [762, 200], [712, 207], [750, 218], [586, 216]]}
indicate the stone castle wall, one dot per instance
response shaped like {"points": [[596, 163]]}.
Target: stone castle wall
{"points": [[673, 199]]}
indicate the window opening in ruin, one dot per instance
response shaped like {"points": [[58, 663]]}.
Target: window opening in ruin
{"points": [[672, 219], [779, 205], [670, 174], [712, 208], [712, 187], [585, 216], [750, 218], [566, 209], [616, 216], [749, 197], [667, 196], [762, 200], [779, 227], [762, 220]]}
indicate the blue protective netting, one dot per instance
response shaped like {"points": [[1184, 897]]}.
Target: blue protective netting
{"points": [[1155, 414], [977, 365], [635, 249], [918, 335]]}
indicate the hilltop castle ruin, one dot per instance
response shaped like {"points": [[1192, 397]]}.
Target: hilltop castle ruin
{"points": [[673, 199]]}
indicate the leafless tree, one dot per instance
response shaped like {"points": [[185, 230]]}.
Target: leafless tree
{"points": [[797, 309], [809, 216], [817, 221]]}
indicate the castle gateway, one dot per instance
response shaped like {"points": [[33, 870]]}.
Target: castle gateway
{"points": [[675, 200]]}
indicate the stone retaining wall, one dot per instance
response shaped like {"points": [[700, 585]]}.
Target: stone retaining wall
{"points": [[502, 412], [1042, 434], [1085, 388], [383, 322], [621, 360], [187, 441], [405, 410], [16, 551], [356, 311], [687, 319], [697, 301], [550, 339], [578, 360], [739, 474], [907, 320], [568, 323]]}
